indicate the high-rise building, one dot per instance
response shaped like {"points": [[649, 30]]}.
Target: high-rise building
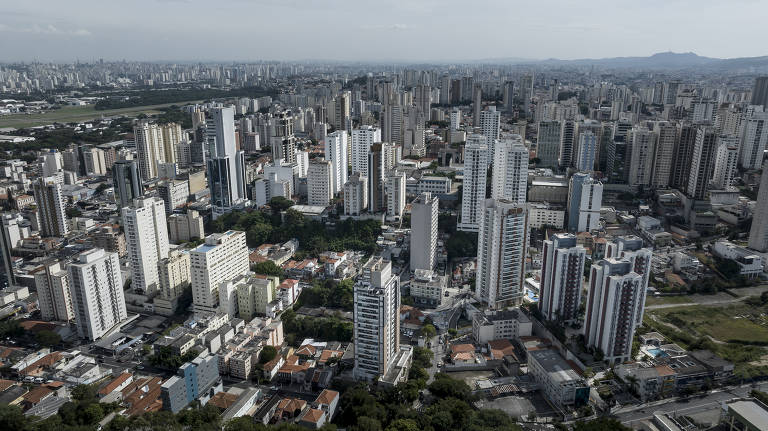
{"points": [[97, 293], [726, 160], [320, 182], [548, 144], [50, 203], [376, 319], [455, 119], [174, 274], [510, 170], [501, 249], [760, 91], [758, 233], [445, 90], [526, 93], [126, 182], [395, 191], [376, 191], [681, 162], [754, 139], [172, 136], [174, 194], [585, 158], [508, 96], [477, 104], [53, 295], [475, 176], [490, 121], [568, 134], [356, 195], [149, 148], [666, 139], [146, 235], [336, 154], [643, 143], [562, 270], [362, 139], [222, 257], [632, 248], [585, 197], [226, 165], [616, 302], [342, 105], [424, 211], [10, 236], [702, 162]]}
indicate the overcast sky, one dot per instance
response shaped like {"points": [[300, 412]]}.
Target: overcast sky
{"points": [[371, 30]]}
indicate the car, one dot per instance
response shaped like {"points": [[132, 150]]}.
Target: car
{"points": [[139, 367]]}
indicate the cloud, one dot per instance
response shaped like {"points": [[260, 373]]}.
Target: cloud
{"points": [[49, 29], [396, 27]]}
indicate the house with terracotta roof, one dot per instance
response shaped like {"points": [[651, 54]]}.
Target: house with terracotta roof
{"points": [[223, 400], [313, 419], [327, 402], [143, 396], [35, 396], [288, 409], [117, 384], [272, 367], [306, 352], [288, 292]]}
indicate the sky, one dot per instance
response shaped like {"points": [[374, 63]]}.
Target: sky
{"points": [[376, 30]]}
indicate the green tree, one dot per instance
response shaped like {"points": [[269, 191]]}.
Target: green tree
{"points": [[267, 354], [48, 338], [428, 331], [403, 425], [279, 203], [268, 268], [446, 387]]}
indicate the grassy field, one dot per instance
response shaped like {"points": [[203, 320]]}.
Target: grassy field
{"points": [[664, 300], [71, 114]]}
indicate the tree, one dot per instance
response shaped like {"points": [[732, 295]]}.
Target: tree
{"points": [[446, 387], [12, 418], [85, 393], [48, 338], [404, 425], [267, 354], [364, 423], [268, 268], [279, 203], [428, 331]]}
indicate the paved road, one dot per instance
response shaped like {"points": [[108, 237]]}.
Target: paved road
{"points": [[629, 415]]}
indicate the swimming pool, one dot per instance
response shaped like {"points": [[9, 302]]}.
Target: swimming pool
{"points": [[657, 353]]}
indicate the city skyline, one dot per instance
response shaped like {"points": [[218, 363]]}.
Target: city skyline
{"points": [[53, 31]]}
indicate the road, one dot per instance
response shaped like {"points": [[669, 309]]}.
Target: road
{"points": [[629, 415]]}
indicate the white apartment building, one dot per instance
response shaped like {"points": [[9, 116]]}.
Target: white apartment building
{"points": [[174, 194], [427, 288], [395, 191], [502, 247], [185, 227], [643, 147], [50, 207], [320, 182], [356, 195], [490, 123], [510, 169], [666, 140], [336, 154], [500, 325], [542, 214], [146, 238], [754, 139], [424, 211], [562, 271], [362, 139], [475, 175], [376, 319], [174, 272], [53, 295], [97, 293], [222, 257], [615, 306], [585, 198], [149, 149], [726, 159]]}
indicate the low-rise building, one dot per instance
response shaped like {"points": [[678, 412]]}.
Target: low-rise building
{"points": [[501, 324], [750, 263], [560, 384], [427, 288]]}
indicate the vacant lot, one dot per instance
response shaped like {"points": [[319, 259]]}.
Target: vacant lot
{"points": [[72, 114]]}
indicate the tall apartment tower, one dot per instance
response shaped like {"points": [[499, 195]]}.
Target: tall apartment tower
{"points": [[222, 257], [760, 91], [356, 195], [548, 144], [10, 236], [585, 158], [50, 203], [614, 307], [568, 133], [126, 182], [336, 154], [149, 149], [97, 293], [376, 319], [477, 103], [362, 139], [585, 197], [758, 233], [754, 139], [475, 176], [666, 139], [526, 93], [508, 96], [562, 271], [320, 182], [726, 159], [643, 148], [681, 161], [395, 193], [226, 165], [424, 211], [53, 295], [501, 250], [490, 123], [702, 162], [146, 237], [510, 170]]}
